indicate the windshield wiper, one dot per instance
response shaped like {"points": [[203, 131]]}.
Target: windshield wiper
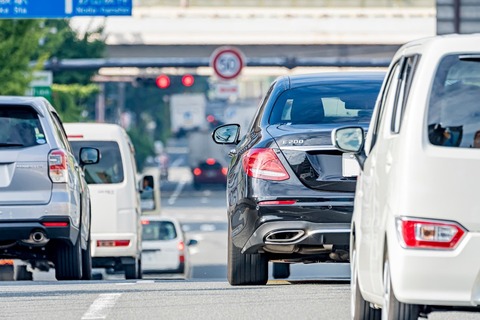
{"points": [[8, 145]]}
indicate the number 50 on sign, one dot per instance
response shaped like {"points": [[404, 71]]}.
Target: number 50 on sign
{"points": [[227, 62]]}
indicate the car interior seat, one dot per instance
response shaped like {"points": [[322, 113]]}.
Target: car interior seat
{"points": [[307, 111]]}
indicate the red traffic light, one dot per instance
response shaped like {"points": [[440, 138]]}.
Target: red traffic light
{"points": [[188, 80], [163, 81]]}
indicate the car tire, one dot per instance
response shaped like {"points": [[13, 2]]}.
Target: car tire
{"points": [[392, 308], [22, 274], [245, 269], [280, 270], [68, 262], [87, 262], [132, 271], [140, 272], [360, 308]]}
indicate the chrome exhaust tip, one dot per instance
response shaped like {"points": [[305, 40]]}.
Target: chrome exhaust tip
{"points": [[37, 238], [284, 236]]}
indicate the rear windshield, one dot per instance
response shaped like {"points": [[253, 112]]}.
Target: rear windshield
{"points": [[110, 167], [158, 230], [20, 127], [454, 108], [206, 166], [337, 102]]}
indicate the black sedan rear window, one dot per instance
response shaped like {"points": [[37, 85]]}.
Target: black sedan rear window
{"points": [[337, 102]]}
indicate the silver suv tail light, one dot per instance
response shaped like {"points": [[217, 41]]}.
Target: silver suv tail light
{"points": [[57, 166]]}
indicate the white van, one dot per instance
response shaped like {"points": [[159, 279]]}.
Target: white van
{"points": [[116, 210], [415, 234]]}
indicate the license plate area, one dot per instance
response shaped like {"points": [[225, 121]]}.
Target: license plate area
{"points": [[350, 166]]}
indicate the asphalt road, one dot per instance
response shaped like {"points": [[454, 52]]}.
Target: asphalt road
{"points": [[316, 291]]}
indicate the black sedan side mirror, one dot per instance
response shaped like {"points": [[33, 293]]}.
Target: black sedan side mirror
{"points": [[226, 134]]}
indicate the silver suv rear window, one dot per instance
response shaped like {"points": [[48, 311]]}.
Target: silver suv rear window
{"points": [[454, 108], [20, 127], [110, 167]]}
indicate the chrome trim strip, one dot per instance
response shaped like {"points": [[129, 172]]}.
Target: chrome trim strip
{"points": [[308, 148]]}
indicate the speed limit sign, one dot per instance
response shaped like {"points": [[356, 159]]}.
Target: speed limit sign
{"points": [[227, 62]]}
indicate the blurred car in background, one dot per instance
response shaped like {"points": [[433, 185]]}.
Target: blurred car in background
{"points": [[44, 199], [164, 246], [290, 192], [209, 172]]}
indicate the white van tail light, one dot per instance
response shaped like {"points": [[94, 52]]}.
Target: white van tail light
{"points": [[429, 234], [181, 250], [263, 163], [58, 167]]}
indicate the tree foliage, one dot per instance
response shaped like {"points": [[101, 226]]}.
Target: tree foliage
{"points": [[72, 100], [19, 44]]}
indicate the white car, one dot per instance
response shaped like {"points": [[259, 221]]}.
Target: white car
{"points": [[164, 246], [415, 235]]}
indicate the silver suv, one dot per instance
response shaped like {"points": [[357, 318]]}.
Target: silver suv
{"points": [[44, 199]]}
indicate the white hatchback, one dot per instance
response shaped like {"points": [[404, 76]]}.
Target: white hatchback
{"points": [[164, 246], [415, 235]]}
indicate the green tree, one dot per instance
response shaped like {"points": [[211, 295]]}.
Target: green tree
{"points": [[73, 45], [72, 100], [19, 44]]}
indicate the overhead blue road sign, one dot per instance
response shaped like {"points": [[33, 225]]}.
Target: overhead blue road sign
{"points": [[26, 9]]}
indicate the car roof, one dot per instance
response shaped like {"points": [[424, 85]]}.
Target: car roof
{"points": [[93, 131], [160, 218], [450, 43], [300, 80], [40, 104]]}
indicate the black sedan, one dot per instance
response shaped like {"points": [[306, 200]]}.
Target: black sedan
{"points": [[289, 191]]}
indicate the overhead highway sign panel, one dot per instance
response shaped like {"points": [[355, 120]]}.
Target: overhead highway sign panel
{"points": [[26, 9]]}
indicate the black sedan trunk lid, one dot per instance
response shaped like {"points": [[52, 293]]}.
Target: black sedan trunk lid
{"points": [[312, 157]]}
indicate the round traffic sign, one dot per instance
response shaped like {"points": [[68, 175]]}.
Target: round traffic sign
{"points": [[227, 62]]}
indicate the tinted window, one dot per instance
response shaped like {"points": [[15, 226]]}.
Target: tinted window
{"points": [[110, 167], [158, 230], [454, 108], [20, 127], [206, 166], [337, 102]]}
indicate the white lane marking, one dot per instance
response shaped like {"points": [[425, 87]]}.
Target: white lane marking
{"points": [[145, 281], [177, 192], [101, 306], [177, 162]]}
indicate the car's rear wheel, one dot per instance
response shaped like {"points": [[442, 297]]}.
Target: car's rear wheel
{"points": [[68, 263], [87, 262], [392, 308], [360, 308], [140, 273], [134, 270], [245, 269], [281, 270]]}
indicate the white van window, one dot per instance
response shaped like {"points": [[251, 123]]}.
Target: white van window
{"points": [[405, 83], [454, 111], [110, 167]]}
